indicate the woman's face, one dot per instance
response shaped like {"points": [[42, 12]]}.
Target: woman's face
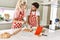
{"points": [[33, 8], [23, 6]]}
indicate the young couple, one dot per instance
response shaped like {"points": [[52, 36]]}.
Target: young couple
{"points": [[31, 16]]}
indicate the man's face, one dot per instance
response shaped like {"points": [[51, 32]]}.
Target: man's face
{"points": [[33, 8]]}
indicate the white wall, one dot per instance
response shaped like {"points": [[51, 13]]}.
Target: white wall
{"points": [[8, 3], [58, 13], [58, 10]]}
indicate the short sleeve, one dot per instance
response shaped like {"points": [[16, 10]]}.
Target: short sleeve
{"points": [[37, 13]]}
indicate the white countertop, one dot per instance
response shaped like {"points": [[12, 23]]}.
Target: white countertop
{"points": [[30, 36]]}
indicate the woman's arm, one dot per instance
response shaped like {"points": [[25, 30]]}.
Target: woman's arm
{"points": [[19, 29]]}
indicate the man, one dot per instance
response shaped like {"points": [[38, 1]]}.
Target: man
{"points": [[34, 15]]}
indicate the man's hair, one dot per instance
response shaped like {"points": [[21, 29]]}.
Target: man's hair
{"points": [[35, 4]]}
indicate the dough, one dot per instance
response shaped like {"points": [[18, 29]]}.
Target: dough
{"points": [[5, 35], [27, 30]]}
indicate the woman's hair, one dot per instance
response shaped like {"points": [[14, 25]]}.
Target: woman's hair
{"points": [[35, 4], [20, 3], [23, 4]]}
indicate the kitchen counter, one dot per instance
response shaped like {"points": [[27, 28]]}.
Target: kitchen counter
{"points": [[30, 36]]}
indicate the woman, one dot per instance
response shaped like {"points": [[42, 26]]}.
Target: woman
{"points": [[34, 15], [19, 14]]}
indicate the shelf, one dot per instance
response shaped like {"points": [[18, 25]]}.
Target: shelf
{"points": [[47, 3], [4, 22]]}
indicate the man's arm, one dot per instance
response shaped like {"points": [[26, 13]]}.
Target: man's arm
{"points": [[38, 19]]}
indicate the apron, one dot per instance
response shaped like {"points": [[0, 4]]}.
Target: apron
{"points": [[32, 19], [18, 23], [20, 16]]}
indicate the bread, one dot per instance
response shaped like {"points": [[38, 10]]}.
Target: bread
{"points": [[6, 15], [5, 35], [27, 30]]}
